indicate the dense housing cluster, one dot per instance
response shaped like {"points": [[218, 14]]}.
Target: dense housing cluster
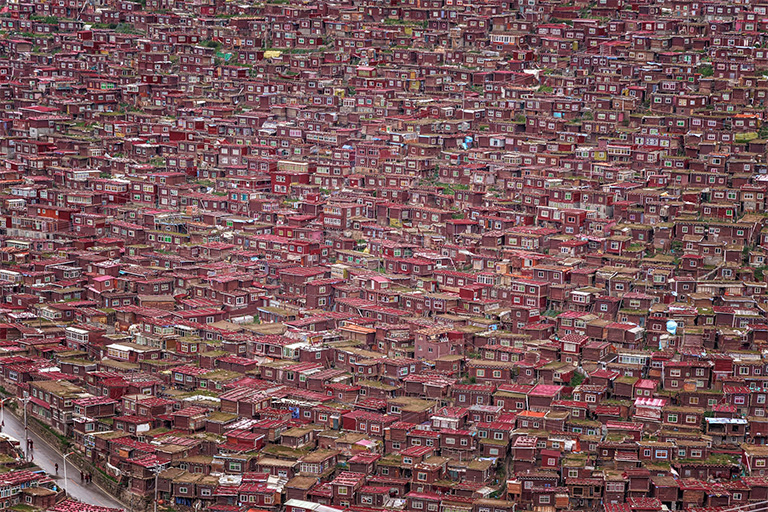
{"points": [[406, 256]]}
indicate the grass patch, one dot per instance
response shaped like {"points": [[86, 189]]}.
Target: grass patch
{"points": [[576, 379], [286, 451], [101, 471], [23, 508]]}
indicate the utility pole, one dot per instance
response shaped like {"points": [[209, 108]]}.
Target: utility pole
{"points": [[157, 470], [66, 482], [25, 401]]}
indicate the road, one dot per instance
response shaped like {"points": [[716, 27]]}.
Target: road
{"points": [[45, 457]]}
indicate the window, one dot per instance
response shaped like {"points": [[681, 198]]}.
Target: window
{"points": [[544, 499]]}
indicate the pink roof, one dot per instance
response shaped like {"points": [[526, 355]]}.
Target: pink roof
{"points": [[70, 505], [650, 402], [646, 384], [546, 390]]}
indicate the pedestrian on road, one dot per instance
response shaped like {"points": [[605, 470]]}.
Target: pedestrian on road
{"points": [[31, 445], [88, 477], [56, 466], [82, 477]]}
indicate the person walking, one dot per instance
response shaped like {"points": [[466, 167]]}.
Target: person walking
{"points": [[82, 477]]}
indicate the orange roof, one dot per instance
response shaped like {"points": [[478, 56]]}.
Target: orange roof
{"points": [[357, 328], [533, 414]]}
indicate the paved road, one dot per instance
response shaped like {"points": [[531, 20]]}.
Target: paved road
{"points": [[45, 457]]}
